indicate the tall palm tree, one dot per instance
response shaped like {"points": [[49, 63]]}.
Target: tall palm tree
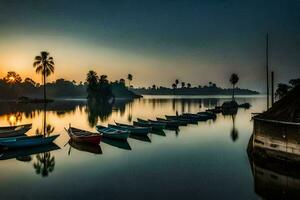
{"points": [[129, 77], [44, 65], [234, 79], [176, 82]]}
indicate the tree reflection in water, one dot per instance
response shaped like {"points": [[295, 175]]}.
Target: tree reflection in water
{"points": [[44, 164], [96, 111], [234, 132]]}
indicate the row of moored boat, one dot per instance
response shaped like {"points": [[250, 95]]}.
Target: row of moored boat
{"points": [[14, 136]]}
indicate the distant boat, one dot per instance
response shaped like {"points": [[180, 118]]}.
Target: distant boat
{"points": [[14, 131], [90, 148], [185, 119], [133, 129], [28, 141], [79, 135], [172, 122], [154, 126], [113, 133]]}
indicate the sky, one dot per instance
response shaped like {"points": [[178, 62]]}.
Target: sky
{"points": [[157, 41]]}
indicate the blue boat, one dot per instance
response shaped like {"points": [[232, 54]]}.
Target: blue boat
{"points": [[132, 129], [29, 141]]}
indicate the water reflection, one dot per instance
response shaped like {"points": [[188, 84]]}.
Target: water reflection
{"points": [[274, 179], [26, 152], [44, 164], [117, 143], [143, 138], [274, 156], [234, 132], [90, 148]]}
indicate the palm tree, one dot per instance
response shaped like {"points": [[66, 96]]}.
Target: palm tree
{"points": [[182, 84], [189, 85], [234, 79], [176, 82], [44, 65], [174, 86], [129, 77]]}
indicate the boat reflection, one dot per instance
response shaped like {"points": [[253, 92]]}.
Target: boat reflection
{"points": [[20, 154], [274, 155], [274, 179], [90, 148], [158, 132], [143, 138], [122, 144]]}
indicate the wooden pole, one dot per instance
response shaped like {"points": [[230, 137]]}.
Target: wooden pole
{"points": [[267, 67], [272, 88]]}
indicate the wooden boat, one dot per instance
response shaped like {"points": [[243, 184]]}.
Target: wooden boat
{"points": [[168, 124], [209, 115], [86, 147], [14, 131], [113, 133], [171, 122], [28, 141], [154, 126], [84, 136], [11, 128], [132, 129], [182, 118]]}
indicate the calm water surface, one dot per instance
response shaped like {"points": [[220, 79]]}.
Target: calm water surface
{"points": [[207, 161]]}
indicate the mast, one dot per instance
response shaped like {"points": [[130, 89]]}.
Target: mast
{"points": [[272, 88], [267, 67]]}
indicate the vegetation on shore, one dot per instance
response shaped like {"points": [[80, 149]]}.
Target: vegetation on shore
{"points": [[12, 87], [210, 89]]}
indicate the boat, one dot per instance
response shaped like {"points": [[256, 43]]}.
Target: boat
{"points": [[28, 141], [86, 147], [83, 136], [148, 124], [113, 133], [172, 122], [209, 115], [132, 129], [11, 128], [153, 124], [182, 118], [168, 124], [14, 131]]}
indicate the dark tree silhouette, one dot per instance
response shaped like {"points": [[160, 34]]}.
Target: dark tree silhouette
{"points": [[12, 78], [234, 79], [182, 84], [44, 65], [189, 85], [129, 77], [176, 82], [282, 90]]}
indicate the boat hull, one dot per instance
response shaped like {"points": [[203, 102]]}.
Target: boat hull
{"points": [[28, 142]]}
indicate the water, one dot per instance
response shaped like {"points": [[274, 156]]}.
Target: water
{"points": [[207, 161]]}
